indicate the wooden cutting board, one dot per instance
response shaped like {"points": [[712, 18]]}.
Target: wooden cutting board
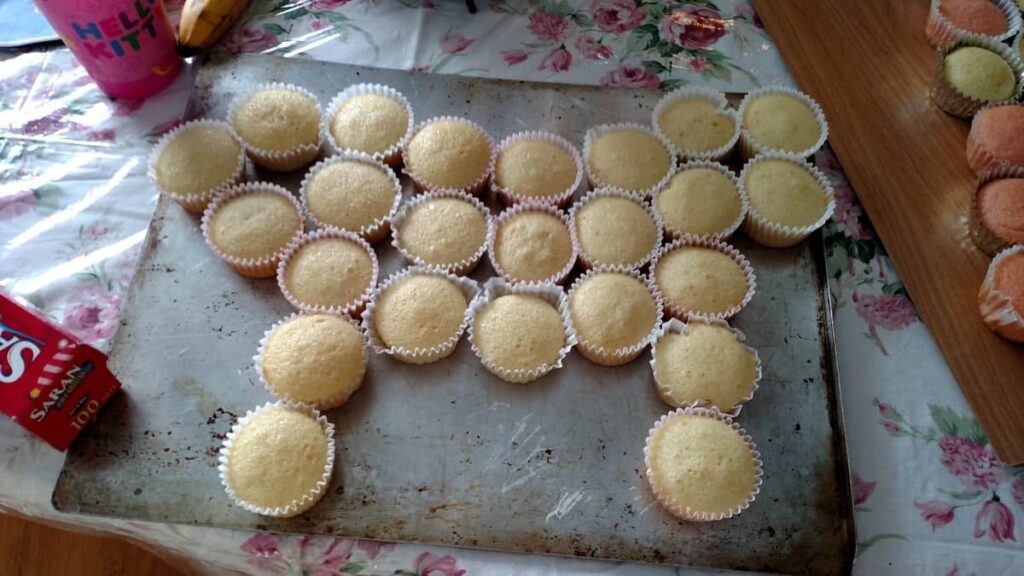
{"points": [[868, 64]]}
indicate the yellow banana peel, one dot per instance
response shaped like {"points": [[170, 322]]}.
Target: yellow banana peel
{"points": [[203, 22]]}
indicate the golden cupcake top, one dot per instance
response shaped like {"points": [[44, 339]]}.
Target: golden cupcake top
{"points": [[419, 311], [329, 272], [519, 332], [277, 457], [700, 201], [706, 363], [613, 311], [979, 74], [448, 154], [314, 359], [254, 225], [701, 280], [197, 160], [535, 168], [628, 158], [785, 192], [615, 230], [781, 122], [278, 119], [350, 194], [696, 125], [443, 231], [369, 123], [532, 246]]}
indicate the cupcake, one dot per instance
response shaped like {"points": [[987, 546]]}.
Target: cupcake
{"points": [[520, 333], [703, 277], [704, 363], [250, 225], [702, 199], [449, 153], [788, 199], [314, 359], [418, 315], [194, 161], [698, 122], [278, 460], [997, 212], [536, 166], [532, 243], [1001, 299], [280, 126], [330, 271], [782, 120], [951, 20], [352, 192], [995, 139], [369, 118], [614, 228], [628, 157], [614, 315], [702, 466], [445, 229], [973, 73]]}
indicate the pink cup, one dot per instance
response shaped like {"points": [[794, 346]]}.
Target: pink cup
{"points": [[126, 46]]}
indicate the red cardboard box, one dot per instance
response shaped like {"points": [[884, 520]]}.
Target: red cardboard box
{"points": [[49, 383]]}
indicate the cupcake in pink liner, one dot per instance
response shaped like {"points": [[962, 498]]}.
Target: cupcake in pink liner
{"points": [[615, 313], [279, 124], [313, 359], [952, 20], [449, 153], [704, 362], [369, 118], [329, 271], [353, 192], [194, 161], [615, 228], [996, 217], [995, 138], [974, 72], [781, 119], [418, 315], [788, 199], [628, 157], [702, 466], [702, 199], [532, 243], [703, 277], [1001, 299], [278, 459], [520, 332], [537, 167], [698, 122], [250, 225], [443, 229]]}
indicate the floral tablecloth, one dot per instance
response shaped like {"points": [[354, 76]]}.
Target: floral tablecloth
{"points": [[930, 497]]}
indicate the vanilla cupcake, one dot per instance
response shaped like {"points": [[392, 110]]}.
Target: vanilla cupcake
{"points": [[628, 157], [538, 167], [703, 277], [782, 120], [532, 243], [702, 199], [372, 119], [614, 315], [279, 124], [975, 72], [614, 228], [698, 122], [449, 153], [352, 192], [444, 229], [330, 271], [196, 160], [788, 199]]}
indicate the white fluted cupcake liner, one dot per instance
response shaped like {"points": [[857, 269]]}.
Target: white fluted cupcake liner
{"points": [[699, 93], [353, 308], [1016, 46], [586, 260], [940, 31], [750, 147], [598, 131], [677, 326], [773, 234], [266, 266], [376, 230], [196, 203], [280, 160], [954, 102], [460, 268], [619, 356], [470, 290], [673, 234], [474, 188], [685, 512], [984, 238], [980, 158], [554, 295], [521, 208], [564, 198], [322, 404], [683, 313], [392, 156], [300, 505], [996, 307]]}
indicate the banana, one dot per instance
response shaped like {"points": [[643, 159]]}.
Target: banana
{"points": [[203, 22]]}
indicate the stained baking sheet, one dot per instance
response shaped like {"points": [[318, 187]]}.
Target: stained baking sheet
{"points": [[447, 453]]}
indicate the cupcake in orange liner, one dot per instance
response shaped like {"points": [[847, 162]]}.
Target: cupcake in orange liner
{"points": [[1001, 299], [995, 138], [996, 217], [951, 20]]}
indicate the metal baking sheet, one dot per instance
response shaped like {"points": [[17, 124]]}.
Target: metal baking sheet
{"points": [[447, 453]]}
